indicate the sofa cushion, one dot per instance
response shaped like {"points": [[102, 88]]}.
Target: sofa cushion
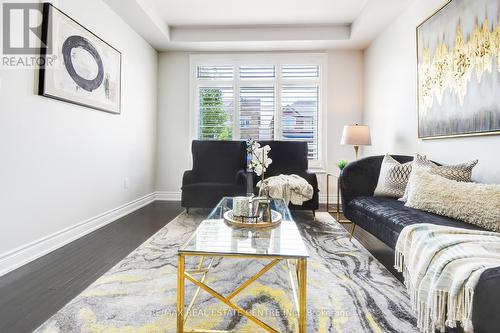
{"points": [[386, 217], [207, 195], [218, 161], [289, 157]]}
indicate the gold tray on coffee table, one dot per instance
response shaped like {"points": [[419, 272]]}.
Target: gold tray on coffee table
{"points": [[251, 222]]}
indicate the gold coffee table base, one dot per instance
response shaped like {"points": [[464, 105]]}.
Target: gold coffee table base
{"points": [[299, 292]]}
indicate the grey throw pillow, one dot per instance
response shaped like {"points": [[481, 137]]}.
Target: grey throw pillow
{"points": [[460, 172], [393, 178]]}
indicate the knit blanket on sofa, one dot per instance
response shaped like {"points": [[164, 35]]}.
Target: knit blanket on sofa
{"points": [[290, 188], [441, 267]]}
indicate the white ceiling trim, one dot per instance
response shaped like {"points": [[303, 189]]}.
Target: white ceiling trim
{"points": [[260, 33], [144, 18]]}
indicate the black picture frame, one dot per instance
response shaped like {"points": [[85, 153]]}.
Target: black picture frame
{"points": [[48, 43]]}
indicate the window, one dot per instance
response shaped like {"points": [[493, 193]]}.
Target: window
{"points": [[216, 113], [263, 97], [257, 104], [300, 103]]}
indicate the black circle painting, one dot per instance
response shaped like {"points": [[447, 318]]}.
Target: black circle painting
{"points": [[73, 42]]}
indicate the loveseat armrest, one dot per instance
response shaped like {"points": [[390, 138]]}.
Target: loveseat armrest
{"points": [[188, 178]]}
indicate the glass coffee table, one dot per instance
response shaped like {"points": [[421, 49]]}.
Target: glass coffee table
{"points": [[213, 238]]}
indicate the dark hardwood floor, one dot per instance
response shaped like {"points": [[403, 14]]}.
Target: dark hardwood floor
{"points": [[33, 293]]}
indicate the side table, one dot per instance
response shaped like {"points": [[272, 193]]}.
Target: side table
{"points": [[338, 210]]}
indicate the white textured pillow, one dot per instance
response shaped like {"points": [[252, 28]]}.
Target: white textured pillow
{"points": [[419, 163], [459, 172], [474, 203], [393, 178]]}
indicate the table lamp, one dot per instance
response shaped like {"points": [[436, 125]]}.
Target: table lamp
{"points": [[356, 135]]}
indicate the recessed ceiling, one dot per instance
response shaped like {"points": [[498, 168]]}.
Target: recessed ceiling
{"points": [[240, 12], [258, 25]]}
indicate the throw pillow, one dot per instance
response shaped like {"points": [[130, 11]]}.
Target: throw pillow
{"points": [[460, 172], [474, 203], [419, 163], [393, 178]]}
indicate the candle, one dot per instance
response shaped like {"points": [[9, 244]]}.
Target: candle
{"points": [[241, 206]]}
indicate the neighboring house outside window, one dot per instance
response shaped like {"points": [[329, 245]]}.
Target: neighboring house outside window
{"points": [[264, 97]]}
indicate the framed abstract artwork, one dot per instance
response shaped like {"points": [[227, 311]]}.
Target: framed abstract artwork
{"points": [[458, 51], [86, 70]]}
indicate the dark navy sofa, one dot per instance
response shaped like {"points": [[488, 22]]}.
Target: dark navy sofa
{"points": [[386, 217]]}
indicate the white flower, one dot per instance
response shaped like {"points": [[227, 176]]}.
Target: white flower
{"points": [[255, 146], [259, 160], [258, 169]]}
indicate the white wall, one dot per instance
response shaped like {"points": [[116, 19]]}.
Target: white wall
{"points": [[390, 96], [345, 104], [61, 164]]}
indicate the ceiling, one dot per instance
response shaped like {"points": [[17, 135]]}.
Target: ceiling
{"points": [[258, 25], [240, 12]]}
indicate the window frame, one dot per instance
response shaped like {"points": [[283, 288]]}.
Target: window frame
{"points": [[278, 59]]}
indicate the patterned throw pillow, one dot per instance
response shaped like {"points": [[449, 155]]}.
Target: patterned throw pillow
{"points": [[393, 178], [460, 172], [419, 163]]}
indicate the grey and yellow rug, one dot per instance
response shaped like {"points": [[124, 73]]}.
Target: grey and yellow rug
{"points": [[348, 289]]}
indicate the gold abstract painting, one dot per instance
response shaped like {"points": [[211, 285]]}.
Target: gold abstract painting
{"points": [[459, 70]]}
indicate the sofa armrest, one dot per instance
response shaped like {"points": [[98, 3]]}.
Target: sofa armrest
{"points": [[188, 178], [359, 178], [486, 297], [311, 179]]}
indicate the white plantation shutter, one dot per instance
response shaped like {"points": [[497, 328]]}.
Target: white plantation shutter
{"points": [[215, 106], [257, 72], [270, 100], [257, 113], [300, 71], [299, 108], [215, 72]]}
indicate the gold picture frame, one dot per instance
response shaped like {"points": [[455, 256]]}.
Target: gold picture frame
{"points": [[441, 77]]}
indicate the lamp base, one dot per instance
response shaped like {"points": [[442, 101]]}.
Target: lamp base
{"points": [[356, 151]]}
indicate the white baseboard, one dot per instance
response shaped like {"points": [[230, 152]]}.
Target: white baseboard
{"points": [[176, 196], [22, 255], [31, 251], [168, 196]]}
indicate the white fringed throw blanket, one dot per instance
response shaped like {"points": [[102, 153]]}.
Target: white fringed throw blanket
{"points": [[441, 267], [290, 188]]}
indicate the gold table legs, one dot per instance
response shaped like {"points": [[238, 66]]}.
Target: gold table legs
{"points": [[182, 275], [180, 294]]}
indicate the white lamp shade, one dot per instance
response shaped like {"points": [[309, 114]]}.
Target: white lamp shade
{"points": [[356, 135]]}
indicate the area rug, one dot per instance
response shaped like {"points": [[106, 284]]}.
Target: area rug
{"points": [[348, 289]]}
